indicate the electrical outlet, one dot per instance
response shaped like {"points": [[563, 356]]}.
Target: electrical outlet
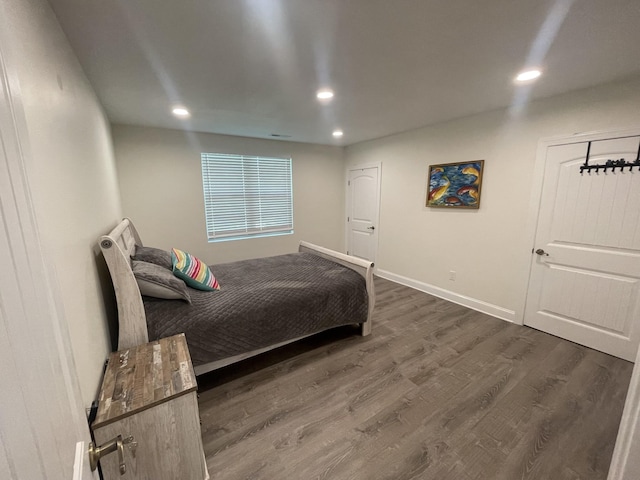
{"points": [[452, 275]]}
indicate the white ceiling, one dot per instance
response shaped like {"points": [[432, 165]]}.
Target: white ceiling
{"points": [[252, 67]]}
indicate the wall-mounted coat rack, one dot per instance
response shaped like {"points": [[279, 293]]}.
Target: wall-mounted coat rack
{"points": [[610, 164]]}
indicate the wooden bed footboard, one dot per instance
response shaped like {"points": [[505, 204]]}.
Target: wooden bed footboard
{"points": [[119, 246], [363, 267]]}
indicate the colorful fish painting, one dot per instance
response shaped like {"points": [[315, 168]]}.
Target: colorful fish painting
{"points": [[455, 185]]}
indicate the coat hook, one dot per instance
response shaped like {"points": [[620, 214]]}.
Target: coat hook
{"points": [[610, 163]]}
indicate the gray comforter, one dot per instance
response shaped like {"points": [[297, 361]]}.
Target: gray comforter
{"points": [[261, 302]]}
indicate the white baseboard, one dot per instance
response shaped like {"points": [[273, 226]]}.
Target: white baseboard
{"points": [[472, 303]]}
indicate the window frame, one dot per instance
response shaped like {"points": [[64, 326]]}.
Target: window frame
{"points": [[246, 196]]}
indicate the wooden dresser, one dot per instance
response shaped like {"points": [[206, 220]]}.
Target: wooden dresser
{"points": [[149, 392]]}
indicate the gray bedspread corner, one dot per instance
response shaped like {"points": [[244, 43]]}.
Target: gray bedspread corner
{"points": [[261, 302]]}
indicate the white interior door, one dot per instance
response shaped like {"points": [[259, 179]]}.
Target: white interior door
{"points": [[43, 428], [363, 201], [584, 284]]}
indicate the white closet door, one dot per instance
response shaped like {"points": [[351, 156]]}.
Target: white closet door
{"points": [[363, 193], [584, 283]]}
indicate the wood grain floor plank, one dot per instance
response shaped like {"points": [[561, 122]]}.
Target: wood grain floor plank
{"points": [[559, 415], [466, 407], [598, 396], [437, 391]]}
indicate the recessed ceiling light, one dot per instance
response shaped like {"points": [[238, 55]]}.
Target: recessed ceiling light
{"points": [[181, 112], [528, 75], [338, 133], [324, 94]]}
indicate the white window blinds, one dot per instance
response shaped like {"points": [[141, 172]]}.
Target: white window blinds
{"points": [[246, 196]]}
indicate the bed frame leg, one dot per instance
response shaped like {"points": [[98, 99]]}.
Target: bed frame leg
{"points": [[365, 328]]}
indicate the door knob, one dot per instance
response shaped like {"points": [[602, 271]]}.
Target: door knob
{"points": [[97, 452], [115, 445], [371, 228], [541, 252]]}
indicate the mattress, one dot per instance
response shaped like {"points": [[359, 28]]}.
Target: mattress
{"points": [[261, 302]]}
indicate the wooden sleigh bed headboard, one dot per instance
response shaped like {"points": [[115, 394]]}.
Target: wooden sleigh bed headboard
{"points": [[119, 246]]}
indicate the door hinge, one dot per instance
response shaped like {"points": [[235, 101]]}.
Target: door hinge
{"points": [[348, 219], [348, 183]]}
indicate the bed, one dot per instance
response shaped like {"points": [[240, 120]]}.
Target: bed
{"points": [[263, 303]]}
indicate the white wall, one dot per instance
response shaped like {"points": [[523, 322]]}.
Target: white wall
{"points": [[488, 248], [161, 186], [71, 174]]}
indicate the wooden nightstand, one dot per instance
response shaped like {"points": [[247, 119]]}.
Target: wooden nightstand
{"points": [[149, 392]]}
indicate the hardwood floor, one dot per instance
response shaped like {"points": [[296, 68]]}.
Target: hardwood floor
{"points": [[437, 391]]}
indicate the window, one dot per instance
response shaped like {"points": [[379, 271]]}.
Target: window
{"points": [[246, 196]]}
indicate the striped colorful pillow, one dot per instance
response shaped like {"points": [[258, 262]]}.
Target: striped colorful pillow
{"points": [[193, 271]]}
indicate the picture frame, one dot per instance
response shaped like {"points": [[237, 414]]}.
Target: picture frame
{"points": [[455, 185]]}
